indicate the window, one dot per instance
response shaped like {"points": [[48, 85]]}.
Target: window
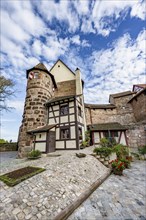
{"points": [[109, 134], [40, 135], [64, 133], [79, 111], [80, 133], [36, 75], [115, 133], [64, 110]]}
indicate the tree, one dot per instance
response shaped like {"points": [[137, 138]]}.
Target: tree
{"points": [[6, 91]]}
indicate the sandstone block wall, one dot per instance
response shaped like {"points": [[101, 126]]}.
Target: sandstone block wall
{"points": [[126, 114], [139, 107], [66, 88], [38, 92]]}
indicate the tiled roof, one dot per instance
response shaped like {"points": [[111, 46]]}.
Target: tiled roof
{"points": [[41, 129], [100, 106], [107, 126], [56, 99], [41, 66], [137, 94]]}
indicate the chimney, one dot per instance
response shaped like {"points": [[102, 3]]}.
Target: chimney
{"points": [[79, 89]]}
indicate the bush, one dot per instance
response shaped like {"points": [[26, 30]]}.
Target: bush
{"points": [[34, 154], [104, 151], [84, 144], [121, 151], [126, 162], [142, 150], [107, 142], [87, 138]]}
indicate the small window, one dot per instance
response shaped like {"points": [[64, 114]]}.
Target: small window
{"points": [[106, 134], [65, 133], [64, 110], [115, 133], [40, 135], [80, 133], [79, 111], [36, 75]]}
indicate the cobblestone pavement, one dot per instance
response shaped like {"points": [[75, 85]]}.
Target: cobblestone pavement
{"points": [[43, 196], [7, 156], [118, 198]]}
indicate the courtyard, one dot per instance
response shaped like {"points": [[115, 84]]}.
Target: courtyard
{"points": [[66, 178]]}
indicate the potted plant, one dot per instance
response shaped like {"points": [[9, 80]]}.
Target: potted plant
{"points": [[34, 154], [117, 167]]}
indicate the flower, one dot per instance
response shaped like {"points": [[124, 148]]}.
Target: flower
{"points": [[117, 165]]}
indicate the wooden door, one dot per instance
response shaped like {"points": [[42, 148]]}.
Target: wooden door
{"points": [[51, 142]]}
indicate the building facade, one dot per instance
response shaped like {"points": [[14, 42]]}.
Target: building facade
{"points": [[55, 116]]}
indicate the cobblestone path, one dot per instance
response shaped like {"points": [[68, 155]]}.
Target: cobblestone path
{"points": [[118, 198], [45, 195]]}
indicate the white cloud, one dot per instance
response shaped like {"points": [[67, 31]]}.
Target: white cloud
{"points": [[18, 105], [77, 41], [116, 69]]}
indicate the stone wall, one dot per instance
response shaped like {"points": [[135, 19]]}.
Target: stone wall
{"points": [[125, 114], [66, 88], [38, 92], [139, 107], [136, 136], [8, 147]]}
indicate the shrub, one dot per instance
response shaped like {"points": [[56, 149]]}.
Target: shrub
{"points": [[87, 138], [126, 162], [107, 142], [34, 154], [117, 166], [104, 151], [142, 149], [84, 144], [121, 151]]}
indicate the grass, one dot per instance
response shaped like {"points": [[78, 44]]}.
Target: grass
{"points": [[17, 176]]}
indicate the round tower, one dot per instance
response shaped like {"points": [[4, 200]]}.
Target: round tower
{"points": [[40, 87]]}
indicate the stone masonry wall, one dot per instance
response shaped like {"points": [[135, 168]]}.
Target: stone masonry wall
{"points": [[66, 88], [38, 92], [139, 107], [125, 115]]}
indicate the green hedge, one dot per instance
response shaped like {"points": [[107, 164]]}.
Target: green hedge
{"points": [[8, 147]]}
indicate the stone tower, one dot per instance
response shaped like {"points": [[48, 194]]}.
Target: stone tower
{"points": [[40, 87]]}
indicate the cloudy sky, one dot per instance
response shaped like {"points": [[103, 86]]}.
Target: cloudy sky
{"points": [[104, 38]]}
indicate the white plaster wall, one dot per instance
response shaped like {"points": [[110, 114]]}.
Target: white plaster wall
{"points": [[71, 110], [123, 141], [59, 144], [51, 121], [73, 135], [55, 107], [43, 136], [70, 144], [72, 118], [64, 119], [96, 137], [50, 114], [40, 146], [57, 134], [71, 104], [101, 134], [56, 113], [61, 72]]}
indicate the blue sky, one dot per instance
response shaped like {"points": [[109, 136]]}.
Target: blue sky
{"points": [[104, 38]]}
